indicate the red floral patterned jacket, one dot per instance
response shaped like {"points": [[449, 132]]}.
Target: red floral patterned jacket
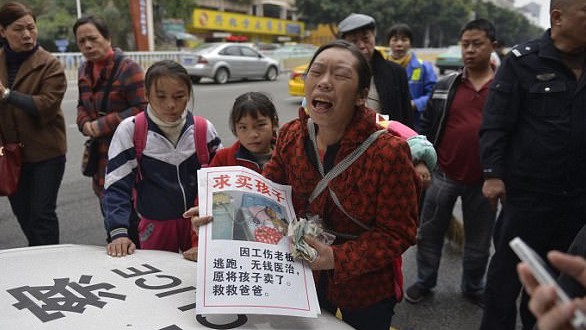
{"points": [[380, 189]]}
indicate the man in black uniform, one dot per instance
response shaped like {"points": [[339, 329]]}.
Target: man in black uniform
{"points": [[389, 90], [533, 147]]}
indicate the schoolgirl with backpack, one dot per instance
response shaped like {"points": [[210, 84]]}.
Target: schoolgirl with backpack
{"points": [[153, 161]]}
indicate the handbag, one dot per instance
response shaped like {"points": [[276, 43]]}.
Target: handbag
{"points": [[91, 157], [90, 160], [10, 165]]}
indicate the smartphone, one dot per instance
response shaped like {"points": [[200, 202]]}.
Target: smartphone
{"points": [[544, 275]]}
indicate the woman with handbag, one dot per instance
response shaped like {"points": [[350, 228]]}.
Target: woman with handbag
{"points": [[111, 88], [32, 85]]}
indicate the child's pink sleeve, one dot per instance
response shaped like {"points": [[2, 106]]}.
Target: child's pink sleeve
{"points": [[400, 130]]}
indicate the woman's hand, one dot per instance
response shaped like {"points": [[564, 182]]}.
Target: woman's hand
{"points": [[325, 254], [196, 220], [90, 128], [121, 247]]}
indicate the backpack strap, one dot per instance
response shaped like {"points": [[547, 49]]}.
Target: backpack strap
{"points": [[201, 145], [139, 138], [199, 136]]}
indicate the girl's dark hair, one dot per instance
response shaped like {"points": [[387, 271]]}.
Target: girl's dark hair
{"points": [[100, 25], [402, 30], [252, 104], [166, 68], [363, 67], [12, 11]]}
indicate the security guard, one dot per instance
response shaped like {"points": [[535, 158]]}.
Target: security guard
{"points": [[533, 148]]}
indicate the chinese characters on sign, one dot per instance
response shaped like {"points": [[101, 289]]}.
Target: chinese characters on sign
{"points": [[269, 267], [232, 22], [245, 264]]}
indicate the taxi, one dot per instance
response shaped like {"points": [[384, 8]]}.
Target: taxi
{"points": [[297, 80]]}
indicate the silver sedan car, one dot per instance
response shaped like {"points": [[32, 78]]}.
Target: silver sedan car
{"points": [[224, 61]]}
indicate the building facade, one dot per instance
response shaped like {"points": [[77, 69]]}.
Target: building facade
{"points": [[247, 20]]}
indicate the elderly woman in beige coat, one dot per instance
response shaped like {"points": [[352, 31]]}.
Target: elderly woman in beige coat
{"points": [[32, 85]]}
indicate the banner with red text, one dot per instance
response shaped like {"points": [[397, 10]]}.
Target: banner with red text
{"points": [[244, 259]]}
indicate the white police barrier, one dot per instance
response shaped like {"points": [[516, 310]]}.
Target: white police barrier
{"points": [[81, 287]]}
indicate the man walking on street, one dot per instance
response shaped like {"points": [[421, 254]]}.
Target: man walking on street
{"points": [[451, 121]]}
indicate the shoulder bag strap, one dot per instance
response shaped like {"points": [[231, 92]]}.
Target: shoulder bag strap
{"points": [[338, 169], [200, 126], [139, 138], [117, 60]]}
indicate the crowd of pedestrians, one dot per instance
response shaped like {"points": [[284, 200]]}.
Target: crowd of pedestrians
{"points": [[509, 141]]}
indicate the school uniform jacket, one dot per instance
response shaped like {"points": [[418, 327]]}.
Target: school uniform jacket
{"points": [[236, 155], [168, 175], [380, 189]]}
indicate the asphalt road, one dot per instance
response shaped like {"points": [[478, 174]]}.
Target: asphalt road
{"points": [[81, 222]]}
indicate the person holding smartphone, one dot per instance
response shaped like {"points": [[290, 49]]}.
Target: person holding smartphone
{"points": [[572, 280], [542, 303]]}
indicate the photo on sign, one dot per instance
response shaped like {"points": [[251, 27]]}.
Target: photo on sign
{"points": [[248, 217]]}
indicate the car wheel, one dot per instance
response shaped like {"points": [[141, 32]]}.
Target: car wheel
{"points": [[195, 79], [221, 76], [271, 74]]}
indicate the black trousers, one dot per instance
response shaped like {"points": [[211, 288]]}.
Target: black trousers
{"points": [[545, 222], [35, 202], [377, 316]]}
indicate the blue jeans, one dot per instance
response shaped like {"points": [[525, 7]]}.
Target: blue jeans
{"points": [[35, 201], [479, 219]]}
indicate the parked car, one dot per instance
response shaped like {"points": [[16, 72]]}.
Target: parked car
{"points": [[450, 60], [225, 61], [298, 50]]}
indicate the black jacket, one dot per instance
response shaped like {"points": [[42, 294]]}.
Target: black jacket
{"points": [[434, 117], [392, 86], [533, 134]]}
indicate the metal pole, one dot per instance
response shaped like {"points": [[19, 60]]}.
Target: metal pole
{"points": [[150, 25], [78, 3]]}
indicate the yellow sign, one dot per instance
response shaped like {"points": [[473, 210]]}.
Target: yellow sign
{"points": [[224, 21]]}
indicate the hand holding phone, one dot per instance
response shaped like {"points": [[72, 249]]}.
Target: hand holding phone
{"points": [[545, 276]]}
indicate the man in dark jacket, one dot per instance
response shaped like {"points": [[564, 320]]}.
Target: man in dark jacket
{"points": [[389, 89], [532, 145]]}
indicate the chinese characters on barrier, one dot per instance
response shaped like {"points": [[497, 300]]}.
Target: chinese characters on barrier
{"points": [[66, 297]]}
